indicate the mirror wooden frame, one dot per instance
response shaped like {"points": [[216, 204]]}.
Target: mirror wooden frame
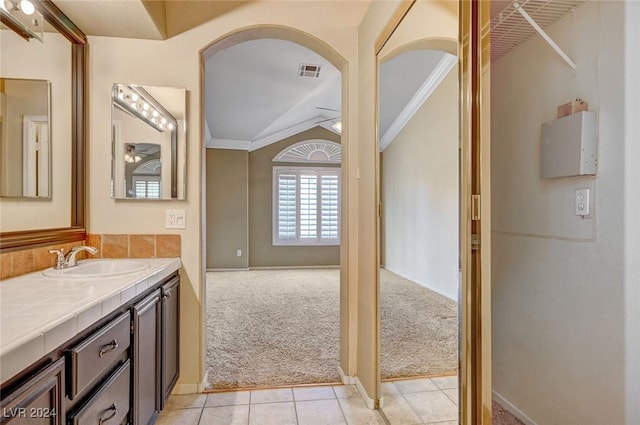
{"points": [[24, 239]]}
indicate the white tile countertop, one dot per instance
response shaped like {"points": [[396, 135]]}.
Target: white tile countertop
{"points": [[39, 313]]}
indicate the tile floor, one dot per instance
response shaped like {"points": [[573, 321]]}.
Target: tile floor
{"points": [[418, 401]]}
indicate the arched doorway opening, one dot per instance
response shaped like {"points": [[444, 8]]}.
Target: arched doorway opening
{"points": [[248, 154]]}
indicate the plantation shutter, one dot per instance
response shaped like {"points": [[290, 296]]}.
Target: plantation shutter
{"points": [[306, 206], [329, 192], [287, 206]]}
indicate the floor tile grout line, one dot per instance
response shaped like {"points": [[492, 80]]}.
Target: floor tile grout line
{"points": [[295, 409], [344, 414], [201, 412]]}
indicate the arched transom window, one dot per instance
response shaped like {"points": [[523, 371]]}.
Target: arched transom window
{"points": [[316, 151]]}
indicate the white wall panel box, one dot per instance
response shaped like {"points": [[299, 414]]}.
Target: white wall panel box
{"points": [[569, 146]]}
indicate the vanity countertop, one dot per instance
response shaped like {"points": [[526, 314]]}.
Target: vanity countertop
{"points": [[38, 313]]}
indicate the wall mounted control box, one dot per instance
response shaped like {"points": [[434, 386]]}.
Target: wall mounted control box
{"points": [[569, 146]]}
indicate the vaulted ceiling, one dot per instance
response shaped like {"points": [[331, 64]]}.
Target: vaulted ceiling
{"points": [[254, 94]]}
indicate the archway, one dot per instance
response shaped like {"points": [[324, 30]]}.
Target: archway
{"points": [[346, 364]]}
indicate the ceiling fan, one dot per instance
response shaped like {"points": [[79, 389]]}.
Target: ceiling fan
{"points": [[328, 119], [337, 126]]}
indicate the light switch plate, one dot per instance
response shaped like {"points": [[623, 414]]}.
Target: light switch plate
{"points": [[582, 202], [175, 219]]}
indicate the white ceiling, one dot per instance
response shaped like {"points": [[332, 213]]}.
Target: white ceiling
{"points": [[400, 79], [254, 95]]}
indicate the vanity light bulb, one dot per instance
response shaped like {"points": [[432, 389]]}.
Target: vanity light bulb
{"points": [[27, 7], [121, 96], [3, 5], [155, 113], [134, 97], [145, 106], [170, 126], [134, 105], [137, 158], [163, 120], [145, 113], [155, 121]]}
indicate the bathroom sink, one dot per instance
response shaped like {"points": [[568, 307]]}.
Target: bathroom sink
{"points": [[97, 269]]}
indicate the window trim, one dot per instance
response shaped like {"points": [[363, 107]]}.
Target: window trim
{"points": [[276, 241]]}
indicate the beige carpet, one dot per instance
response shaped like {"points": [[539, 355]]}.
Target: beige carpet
{"points": [[500, 416], [281, 327]]}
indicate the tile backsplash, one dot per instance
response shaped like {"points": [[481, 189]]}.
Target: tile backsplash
{"points": [[135, 246], [110, 246]]}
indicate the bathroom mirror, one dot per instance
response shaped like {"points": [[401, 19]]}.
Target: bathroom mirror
{"points": [[148, 142], [56, 56], [25, 138]]}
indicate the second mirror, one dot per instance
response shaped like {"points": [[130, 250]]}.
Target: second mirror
{"points": [[148, 142]]}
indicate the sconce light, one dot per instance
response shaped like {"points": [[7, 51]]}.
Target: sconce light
{"points": [[138, 102], [130, 155], [337, 126], [23, 18]]}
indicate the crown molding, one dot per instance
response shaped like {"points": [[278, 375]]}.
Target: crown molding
{"points": [[426, 89]]}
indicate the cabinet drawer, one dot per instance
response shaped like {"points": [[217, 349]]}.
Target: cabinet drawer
{"points": [[110, 404], [94, 356]]}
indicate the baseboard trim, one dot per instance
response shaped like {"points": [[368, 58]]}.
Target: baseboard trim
{"points": [[293, 267], [363, 393], [239, 269], [513, 409], [346, 379], [453, 297], [198, 388]]}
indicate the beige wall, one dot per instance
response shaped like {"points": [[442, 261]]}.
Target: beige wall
{"points": [[420, 188], [50, 61], [227, 208], [558, 286], [176, 63], [632, 206], [262, 253], [22, 97]]}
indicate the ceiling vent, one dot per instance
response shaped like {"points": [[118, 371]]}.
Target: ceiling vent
{"points": [[308, 70]]}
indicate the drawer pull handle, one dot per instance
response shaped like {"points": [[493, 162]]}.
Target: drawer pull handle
{"points": [[113, 409], [167, 295], [108, 347]]}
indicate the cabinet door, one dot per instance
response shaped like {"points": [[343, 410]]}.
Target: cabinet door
{"points": [[170, 337], [146, 359], [39, 400]]}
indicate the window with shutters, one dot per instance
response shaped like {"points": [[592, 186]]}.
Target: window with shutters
{"points": [[146, 180], [306, 205]]}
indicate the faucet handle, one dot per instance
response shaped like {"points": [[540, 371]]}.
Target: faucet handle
{"points": [[60, 260]]}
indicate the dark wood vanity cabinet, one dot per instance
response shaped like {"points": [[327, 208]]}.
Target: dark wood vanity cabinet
{"points": [[39, 401], [155, 355], [146, 341], [170, 338], [119, 371]]}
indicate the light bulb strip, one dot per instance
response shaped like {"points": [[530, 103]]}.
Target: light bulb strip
{"points": [[13, 15], [137, 101]]}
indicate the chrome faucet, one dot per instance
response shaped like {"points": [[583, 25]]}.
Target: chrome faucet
{"points": [[63, 262]]}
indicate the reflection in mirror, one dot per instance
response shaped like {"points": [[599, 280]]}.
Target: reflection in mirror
{"points": [[25, 138], [42, 136], [148, 132], [418, 134]]}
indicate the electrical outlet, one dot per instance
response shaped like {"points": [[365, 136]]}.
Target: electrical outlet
{"points": [[582, 202], [175, 219], [239, 253]]}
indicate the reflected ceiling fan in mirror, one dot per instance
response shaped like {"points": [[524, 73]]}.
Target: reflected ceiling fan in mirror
{"points": [[337, 125]]}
